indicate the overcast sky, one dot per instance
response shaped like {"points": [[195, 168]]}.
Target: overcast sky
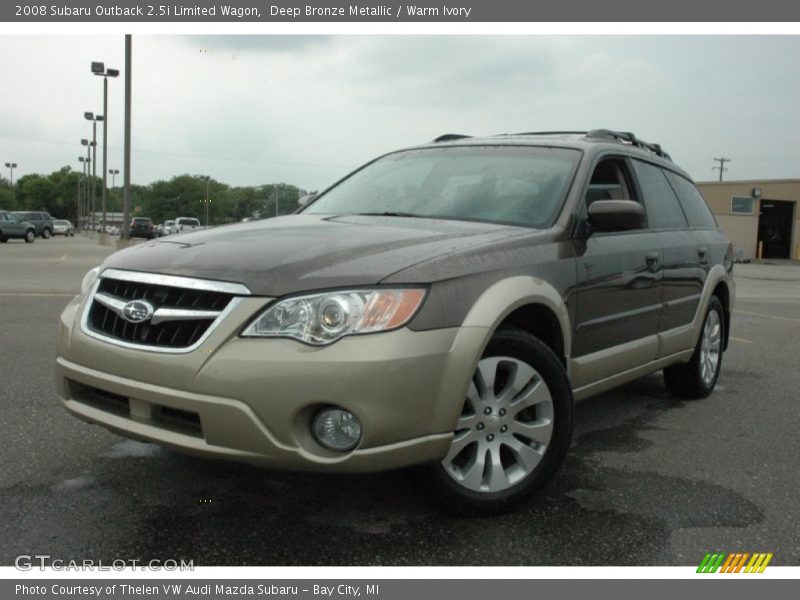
{"points": [[305, 110]]}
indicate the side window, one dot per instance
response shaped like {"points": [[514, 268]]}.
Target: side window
{"points": [[660, 202], [609, 181], [692, 202]]}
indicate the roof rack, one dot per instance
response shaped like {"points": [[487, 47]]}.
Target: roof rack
{"points": [[449, 137], [548, 133], [630, 138]]}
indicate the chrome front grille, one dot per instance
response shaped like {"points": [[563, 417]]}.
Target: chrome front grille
{"points": [[157, 312]]}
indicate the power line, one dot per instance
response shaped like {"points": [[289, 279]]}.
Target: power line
{"points": [[721, 168]]}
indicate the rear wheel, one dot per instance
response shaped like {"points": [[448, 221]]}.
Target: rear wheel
{"points": [[46, 234], [697, 378], [3, 239], [30, 235], [514, 429]]}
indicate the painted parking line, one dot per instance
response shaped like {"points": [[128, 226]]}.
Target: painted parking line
{"points": [[735, 339], [37, 295], [766, 301], [757, 314]]}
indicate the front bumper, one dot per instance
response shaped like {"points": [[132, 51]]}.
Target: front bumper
{"points": [[254, 399]]}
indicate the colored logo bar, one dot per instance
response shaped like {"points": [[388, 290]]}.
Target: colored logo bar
{"points": [[736, 562]]}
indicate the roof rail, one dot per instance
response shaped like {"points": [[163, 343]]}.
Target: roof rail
{"points": [[630, 138], [449, 137], [548, 133]]}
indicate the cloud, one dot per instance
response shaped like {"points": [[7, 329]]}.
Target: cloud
{"points": [[305, 109]]}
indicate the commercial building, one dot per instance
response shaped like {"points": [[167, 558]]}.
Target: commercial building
{"points": [[759, 216]]}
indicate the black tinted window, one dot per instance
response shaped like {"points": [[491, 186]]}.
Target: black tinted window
{"points": [[692, 202], [660, 202]]}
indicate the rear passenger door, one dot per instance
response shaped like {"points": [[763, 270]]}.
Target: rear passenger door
{"points": [[684, 255]]}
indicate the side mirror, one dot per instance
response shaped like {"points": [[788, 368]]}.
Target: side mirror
{"points": [[615, 215]]}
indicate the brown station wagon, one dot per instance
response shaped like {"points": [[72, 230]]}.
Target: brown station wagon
{"points": [[443, 305]]}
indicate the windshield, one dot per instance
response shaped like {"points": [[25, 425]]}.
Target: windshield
{"points": [[521, 185]]}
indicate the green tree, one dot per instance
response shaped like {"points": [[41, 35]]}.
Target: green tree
{"points": [[7, 201]]}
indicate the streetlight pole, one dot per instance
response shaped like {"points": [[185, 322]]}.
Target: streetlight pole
{"points": [[208, 179], [80, 196], [100, 70], [89, 199], [82, 188], [11, 166], [126, 194], [94, 119]]}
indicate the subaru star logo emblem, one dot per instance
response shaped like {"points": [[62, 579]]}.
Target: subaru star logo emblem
{"points": [[137, 311]]}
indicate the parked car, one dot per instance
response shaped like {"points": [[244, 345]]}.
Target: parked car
{"points": [[169, 227], [142, 227], [443, 305], [11, 226], [187, 224], [40, 219], [63, 227]]}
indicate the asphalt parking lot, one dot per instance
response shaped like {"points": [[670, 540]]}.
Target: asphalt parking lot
{"points": [[650, 480]]}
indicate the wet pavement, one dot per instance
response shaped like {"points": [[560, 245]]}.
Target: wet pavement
{"points": [[650, 480]]}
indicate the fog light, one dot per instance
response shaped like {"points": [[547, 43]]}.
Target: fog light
{"points": [[337, 429]]}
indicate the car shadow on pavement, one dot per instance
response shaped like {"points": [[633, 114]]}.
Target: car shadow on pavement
{"points": [[144, 502]]}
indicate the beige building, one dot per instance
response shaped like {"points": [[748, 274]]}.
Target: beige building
{"points": [[757, 215]]}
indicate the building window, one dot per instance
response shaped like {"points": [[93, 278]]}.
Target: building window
{"points": [[742, 205]]}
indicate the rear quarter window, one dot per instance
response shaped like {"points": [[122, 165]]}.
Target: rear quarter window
{"points": [[692, 201]]}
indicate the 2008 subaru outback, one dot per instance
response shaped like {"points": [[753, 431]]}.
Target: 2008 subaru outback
{"points": [[443, 304]]}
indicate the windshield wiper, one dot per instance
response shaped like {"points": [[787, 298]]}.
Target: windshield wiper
{"points": [[388, 214]]}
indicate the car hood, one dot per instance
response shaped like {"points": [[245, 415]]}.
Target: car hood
{"points": [[297, 253]]}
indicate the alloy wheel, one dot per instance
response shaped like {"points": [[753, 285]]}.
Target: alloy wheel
{"points": [[505, 427]]}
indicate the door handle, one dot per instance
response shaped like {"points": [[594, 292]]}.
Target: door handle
{"points": [[651, 258]]}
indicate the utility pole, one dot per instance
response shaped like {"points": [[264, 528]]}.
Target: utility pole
{"points": [[126, 195], [721, 168]]}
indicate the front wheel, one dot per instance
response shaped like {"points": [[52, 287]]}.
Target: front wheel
{"points": [[697, 378], [514, 430]]}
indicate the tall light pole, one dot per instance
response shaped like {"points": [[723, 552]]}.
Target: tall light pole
{"points": [[85, 164], [80, 195], [208, 179], [113, 173], [11, 166], [126, 194], [89, 199], [94, 119], [100, 70]]}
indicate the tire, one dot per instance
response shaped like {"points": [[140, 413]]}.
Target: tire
{"points": [[522, 424], [3, 239], [30, 236], [697, 378], [46, 234]]}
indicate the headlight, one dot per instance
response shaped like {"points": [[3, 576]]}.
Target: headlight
{"points": [[321, 319], [89, 279]]}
